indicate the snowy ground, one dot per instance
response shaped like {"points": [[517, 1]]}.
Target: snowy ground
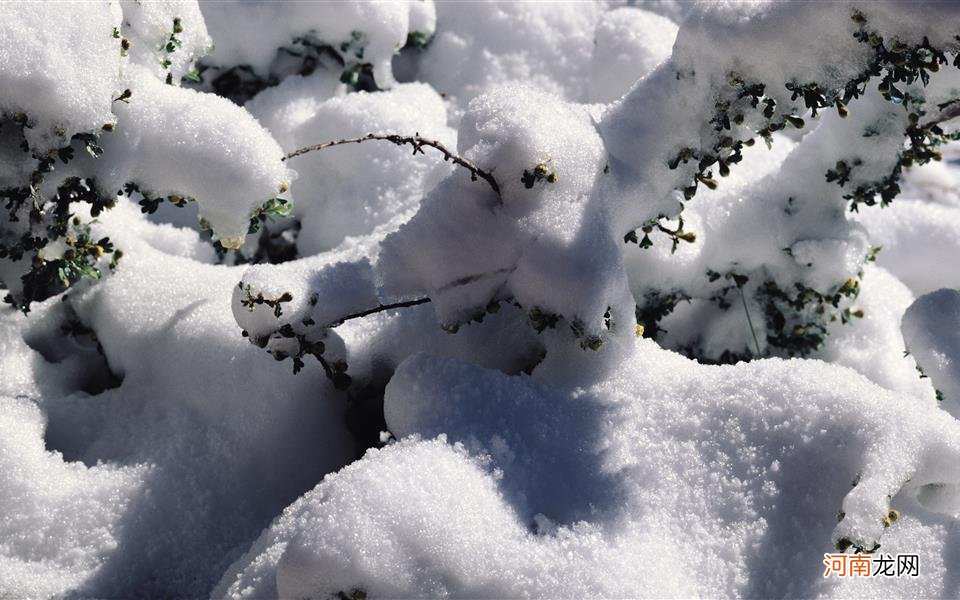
{"points": [[516, 436]]}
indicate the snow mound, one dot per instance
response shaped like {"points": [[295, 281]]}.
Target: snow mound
{"points": [[542, 242], [60, 520], [915, 236], [931, 329], [249, 33], [189, 397], [547, 45], [629, 44], [873, 345], [43, 76], [505, 487], [176, 141]]}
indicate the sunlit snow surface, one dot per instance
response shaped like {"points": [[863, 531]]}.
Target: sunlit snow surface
{"points": [[166, 456]]}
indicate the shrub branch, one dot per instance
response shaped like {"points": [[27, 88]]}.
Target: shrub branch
{"points": [[378, 308], [418, 143]]}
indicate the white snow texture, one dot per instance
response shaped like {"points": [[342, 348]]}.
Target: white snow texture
{"points": [[498, 389]]}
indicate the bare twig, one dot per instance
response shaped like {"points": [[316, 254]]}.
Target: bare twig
{"points": [[418, 143], [753, 332], [379, 308], [949, 110]]}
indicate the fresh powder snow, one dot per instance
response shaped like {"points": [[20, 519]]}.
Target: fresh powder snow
{"points": [[434, 298]]}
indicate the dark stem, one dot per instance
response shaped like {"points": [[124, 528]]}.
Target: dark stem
{"points": [[948, 110], [749, 320], [418, 143], [379, 308]]}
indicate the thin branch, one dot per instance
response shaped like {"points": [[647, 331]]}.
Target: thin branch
{"points": [[418, 143], [379, 308], [749, 320], [948, 110]]}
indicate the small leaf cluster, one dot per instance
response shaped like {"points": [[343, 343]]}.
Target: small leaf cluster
{"points": [[124, 42], [271, 209], [676, 235], [418, 40], [656, 305], [895, 63], [734, 102], [250, 302], [540, 172], [898, 64], [171, 45], [540, 320], [798, 319], [336, 371], [32, 222], [303, 55], [49, 276], [149, 204]]}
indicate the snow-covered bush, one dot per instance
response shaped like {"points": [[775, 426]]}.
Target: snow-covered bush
{"points": [[777, 259], [260, 43], [496, 250], [94, 110]]}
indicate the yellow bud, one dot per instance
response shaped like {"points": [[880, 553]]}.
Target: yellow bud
{"points": [[640, 329], [231, 243]]}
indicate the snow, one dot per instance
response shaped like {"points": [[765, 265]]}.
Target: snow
{"points": [[629, 43], [535, 490], [249, 33], [466, 247], [153, 498], [40, 73], [231, 167], [915, 236], [437, 384], [931, 329], [149, 25], [350, 190], [547, 45], [59, 517], [873, 345]]}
